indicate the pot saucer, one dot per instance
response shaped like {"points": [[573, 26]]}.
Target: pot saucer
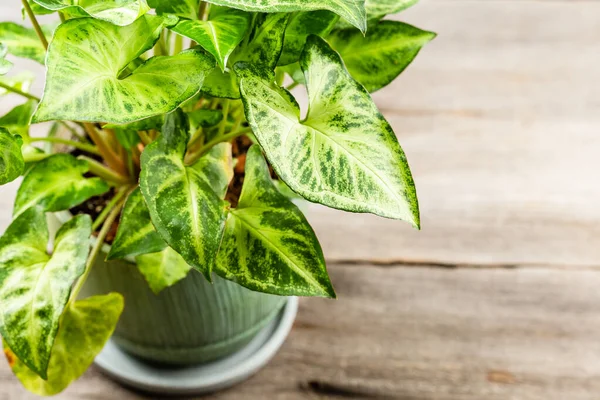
{"points": [[204, 378]]}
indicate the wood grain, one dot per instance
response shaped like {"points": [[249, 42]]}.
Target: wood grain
{"points": [[500, 118]]}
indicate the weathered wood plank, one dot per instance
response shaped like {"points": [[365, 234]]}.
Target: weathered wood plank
{"points": [[426, 333]]}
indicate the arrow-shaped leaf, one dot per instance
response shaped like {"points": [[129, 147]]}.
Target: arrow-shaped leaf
{"points": [[181, 8], [11, 159], [344, 154], [85, 60], [57, 183], [17, 119], [184, 208], [35, 287], [268, 245], [22, 42], [85, 328], [220, 34], [136, 234], [118, 12], [352, 11], [378, 58]]}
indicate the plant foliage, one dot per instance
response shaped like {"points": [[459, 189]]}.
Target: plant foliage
{"points": [[154, 104]]}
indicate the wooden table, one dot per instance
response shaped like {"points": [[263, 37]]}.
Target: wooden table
{"points": [[498, 297]]}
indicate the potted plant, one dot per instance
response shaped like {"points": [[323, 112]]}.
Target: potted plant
{"points": [[165, 185]]}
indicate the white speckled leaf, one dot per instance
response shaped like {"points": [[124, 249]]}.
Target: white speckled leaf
{"points": [[5, 65], [184, 208], [35, 287], [11, 159], [136, 234], [262, 49], [268, 245], [85, 327], [85, 60], [344, 154], [378, 58], [181, 8], [377, 9], [220, 34], [302, 25], [352, 11], [118, 12], [22, 42], [162, 269], [57, 183]]}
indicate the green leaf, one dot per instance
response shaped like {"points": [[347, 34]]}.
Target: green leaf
{"points": [[181, 8], [5, 65], [344, 154], [162, 270], [262, 50], [22, 42], [85, 328], [11, 159], [302, 25], [36, 8], [378, 58], [184, 208], [57, 183], [352, 11], [22, 81], [377, 9], [17, 119], [220, 34], [268, 245], [204, 118], [118, 12], [35, 287], [136, 234], [145, 124], [217, 168], [83, 84]]}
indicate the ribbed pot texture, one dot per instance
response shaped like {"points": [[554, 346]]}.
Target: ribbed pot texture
{"points": [[191, 322]]}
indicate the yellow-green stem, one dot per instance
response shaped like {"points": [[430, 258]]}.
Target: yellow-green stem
{"points": [[109, 207], [105, 173], [105, 150], [19, 92], [35, 24], [81, 146]]}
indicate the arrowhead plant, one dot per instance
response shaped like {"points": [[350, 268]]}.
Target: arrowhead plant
{"points": [[178, 118]]}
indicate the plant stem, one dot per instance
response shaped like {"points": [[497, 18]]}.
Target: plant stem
{"points": [[203, 11], [106, 152], [74, 131], [19, 92], [223, 123], [35, 23], [109, 207], [291, 86], [81, 146], [62, 17], [110, 219], [35, 157], [224, 138], [178, 45], [105, 173], [144, 137]]}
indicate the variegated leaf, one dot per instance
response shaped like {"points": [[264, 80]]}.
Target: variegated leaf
{"points": [[57, 183], [262, 50], [352, 11], [301, 25], [22, 42], [204, 118], [21, 81], [377, 9], [136, 234], [11, 159], [83, 82], [184, 208], [268, 245], [378, 58], [220, 34], [85, 327], [35, 287], [118, 12], [344, 154], [142, 125], [5, 65], [163, 269], [17, 119], [216, 167], [182, 8]]}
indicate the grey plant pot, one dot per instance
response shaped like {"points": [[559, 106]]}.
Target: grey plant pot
{"points": [[192, 322]]}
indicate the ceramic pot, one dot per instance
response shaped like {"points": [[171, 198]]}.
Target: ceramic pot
{"points": [[192, 322]]}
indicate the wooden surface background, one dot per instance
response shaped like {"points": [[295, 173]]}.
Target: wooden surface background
{"points": [[498, 297]]}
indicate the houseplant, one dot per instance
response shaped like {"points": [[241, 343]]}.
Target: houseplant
{"points": [[161, 162]]}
